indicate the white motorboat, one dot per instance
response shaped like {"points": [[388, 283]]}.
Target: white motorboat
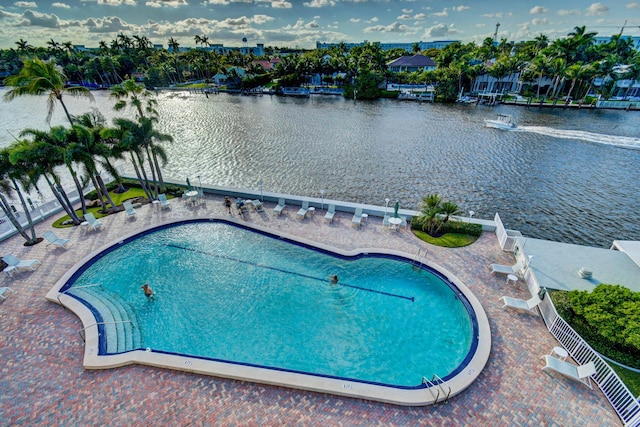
{"points": [[503, 121]]}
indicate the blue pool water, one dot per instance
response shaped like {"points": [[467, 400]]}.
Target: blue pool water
{"points": [[228, 293]]}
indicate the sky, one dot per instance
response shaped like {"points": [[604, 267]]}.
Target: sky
{"points": [[301, 23]]}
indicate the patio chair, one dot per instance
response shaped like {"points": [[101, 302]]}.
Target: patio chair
{"points": [[129, 209], [91, 221], [14, 264], [279, 207], [357, 218], [331, 212], [164, 203], [580, 373], [520, 304], [4, 291], [302, 212], [507, 269], [54, 240], [257, 205]]}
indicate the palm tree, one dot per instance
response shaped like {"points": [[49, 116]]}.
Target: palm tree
{"points": [[9, 175], [38, 77]]}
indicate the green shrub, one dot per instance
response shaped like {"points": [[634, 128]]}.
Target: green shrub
{"points": [[608, 318]]}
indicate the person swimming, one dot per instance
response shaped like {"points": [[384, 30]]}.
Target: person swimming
{"points": [[148, 292], [334, 279]]}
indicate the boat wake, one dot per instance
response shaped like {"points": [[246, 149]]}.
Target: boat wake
{"points": [[598, 138]]}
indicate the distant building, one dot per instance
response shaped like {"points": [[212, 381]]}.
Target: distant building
{"points": [[410, 64], [439, 44], [604, 40], [258, 50]]}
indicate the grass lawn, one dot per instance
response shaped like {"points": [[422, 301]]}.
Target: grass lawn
{"points": [[117, 198], [449, 240], [630, 378]]}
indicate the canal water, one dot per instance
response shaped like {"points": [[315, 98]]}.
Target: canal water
{"points": [[564, 175]]}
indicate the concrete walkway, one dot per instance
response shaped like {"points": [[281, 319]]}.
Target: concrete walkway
{"points": [[42, 381]]}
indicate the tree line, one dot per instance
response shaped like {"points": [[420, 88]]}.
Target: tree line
{"points": [[572, 64]]}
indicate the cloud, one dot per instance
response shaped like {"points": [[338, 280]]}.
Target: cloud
{"points": [[407, 11], [633, 6], [281, 5], [355, 20], [319, 3], [536, 10], [441, 14], [374, 19], [167, 3], [111, 24], [539, 21], [26, 4], [597, 9], [564, 12], [117, 2], [35, 19], [420, 16], [61, 5], [404, 17], [396, 27], [311, 25], [440, 30], [460, 8], [262, 19], [492, 15]]}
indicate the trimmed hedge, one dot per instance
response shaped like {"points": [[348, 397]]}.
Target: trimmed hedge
{"points": [[173, 190], [461, 227]]}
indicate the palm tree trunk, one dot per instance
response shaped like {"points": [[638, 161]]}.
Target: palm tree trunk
{"points": [[76, 181], [143, 184], [4, 204], [26, 212], [103, 187]]}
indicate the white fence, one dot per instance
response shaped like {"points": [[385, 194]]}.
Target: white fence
{"points": [[625, 404], [507, 238]]}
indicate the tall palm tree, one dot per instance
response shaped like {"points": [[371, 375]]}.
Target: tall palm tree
{"points": [[38, 77], [9, 175]]}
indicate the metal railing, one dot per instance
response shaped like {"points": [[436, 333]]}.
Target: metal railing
{"points": [[626, 405], [436, 383]]}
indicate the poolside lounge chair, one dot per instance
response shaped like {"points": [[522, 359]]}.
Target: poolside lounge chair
{"points": [[280, 206], [257, 205], [302, 212], [506, 269], [129, 209], [357, 218], [4, 291], [520, 304], [331, 211], [91, 221], [580, 373], [162, 198], [14, 264], [54, 240]]}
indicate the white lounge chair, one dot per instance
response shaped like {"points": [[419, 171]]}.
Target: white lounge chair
{"points": [[14, 264], [279, 207], [128, 207], [507, 269], [331, 212], [54, 240], [257, 205], [580, 373], [91, 221], [4, 291], [520, 304], [357, 218], [162, 198], [302, 212]]}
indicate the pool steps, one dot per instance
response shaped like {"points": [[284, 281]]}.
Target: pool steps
{"points": [[120, 323]]}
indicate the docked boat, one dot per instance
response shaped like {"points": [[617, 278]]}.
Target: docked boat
{"points": [[503, 121]]}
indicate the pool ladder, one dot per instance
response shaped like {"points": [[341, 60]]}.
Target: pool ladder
{"points": [[419, 260], [440, 386]]}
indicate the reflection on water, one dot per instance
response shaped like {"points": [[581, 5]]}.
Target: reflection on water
{"points": [[563, 177]]}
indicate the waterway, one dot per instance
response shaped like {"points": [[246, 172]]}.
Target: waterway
{"points": [[564, 175]]}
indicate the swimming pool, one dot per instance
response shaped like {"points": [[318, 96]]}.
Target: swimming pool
{"points": [[250, 301]]}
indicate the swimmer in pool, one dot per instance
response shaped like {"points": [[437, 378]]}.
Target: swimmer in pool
{"points": [[148, 292], [334, 279]]}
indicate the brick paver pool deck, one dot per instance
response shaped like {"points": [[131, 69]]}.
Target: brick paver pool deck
{"points": [[42, 381]]}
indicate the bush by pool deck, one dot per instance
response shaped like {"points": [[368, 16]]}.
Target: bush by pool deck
{"points": [[43, 380]]}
